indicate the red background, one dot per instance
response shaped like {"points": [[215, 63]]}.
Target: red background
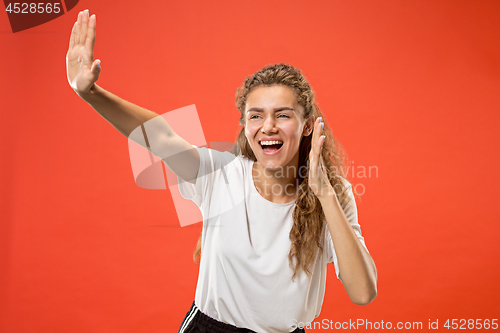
{"points": [[411, 87]]}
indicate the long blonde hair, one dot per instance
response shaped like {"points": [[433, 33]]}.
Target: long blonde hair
{"points": [[308, 217]]}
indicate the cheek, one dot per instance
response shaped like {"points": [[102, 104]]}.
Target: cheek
{"points": [[293, 132], [250, 131]]}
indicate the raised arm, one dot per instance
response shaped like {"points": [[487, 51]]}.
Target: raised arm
{"points": [[83, 72]]}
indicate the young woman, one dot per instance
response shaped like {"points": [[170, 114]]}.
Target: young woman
{"points": [[275, 210]]}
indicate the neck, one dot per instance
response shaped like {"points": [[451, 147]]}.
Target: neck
{"points": [[276, 185]]}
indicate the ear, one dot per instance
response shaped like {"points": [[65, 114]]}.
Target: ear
{"points": [[308, 127]]}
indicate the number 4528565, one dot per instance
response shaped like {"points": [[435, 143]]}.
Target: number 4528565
{"points": [[471, 324], [33, 8]]}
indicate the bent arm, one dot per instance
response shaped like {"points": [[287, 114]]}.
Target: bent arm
{"points": [[133, 121], [357, 268]]}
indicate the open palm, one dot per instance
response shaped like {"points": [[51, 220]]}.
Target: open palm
{"points": [[82, 70], [318, 175]]}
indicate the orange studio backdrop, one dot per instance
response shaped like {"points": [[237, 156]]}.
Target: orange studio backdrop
{"points": [[410, 88]]}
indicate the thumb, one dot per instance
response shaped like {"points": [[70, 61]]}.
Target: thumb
{"points": [[96, 67]]}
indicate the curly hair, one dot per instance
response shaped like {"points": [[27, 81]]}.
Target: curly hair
{"points": [[309, 222]]}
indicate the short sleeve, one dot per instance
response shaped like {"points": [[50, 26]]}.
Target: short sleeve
{"points": [[211, 171], [351, 212]]}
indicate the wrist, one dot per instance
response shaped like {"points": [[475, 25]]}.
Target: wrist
{"points": [[88, 94], [328, 198]]}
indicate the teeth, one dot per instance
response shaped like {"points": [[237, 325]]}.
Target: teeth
{"points": [[268, 143]]}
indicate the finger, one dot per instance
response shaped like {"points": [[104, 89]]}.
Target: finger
{"points": [[313, 155], [319, 148], [314, 162], [321, 157], [325, 170], [318, 129], [73, 36], [85, 21], [89, 43], [321, 142], [96, 70], [78, 28], [96, 67], [321, 173], [315, 136], [318, 137]]}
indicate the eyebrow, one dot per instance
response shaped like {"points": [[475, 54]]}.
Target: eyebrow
{"points": [[275, 110]]}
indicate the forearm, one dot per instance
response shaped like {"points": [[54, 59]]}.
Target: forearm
{"points": [[147, 129], [123, 115], [356, 266]]}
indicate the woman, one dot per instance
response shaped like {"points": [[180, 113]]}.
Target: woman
{"points": [[263, 259]]}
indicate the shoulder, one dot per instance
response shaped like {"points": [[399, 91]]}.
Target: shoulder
{"points": [[219, 154], [215, 155], [349, 201], [345, 182], [223, 160], [347, 187]]}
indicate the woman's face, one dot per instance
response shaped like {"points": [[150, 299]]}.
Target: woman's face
{"points": [[273, 114]]}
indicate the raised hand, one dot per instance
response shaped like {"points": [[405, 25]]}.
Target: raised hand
{"points": [[82, 70], [318, 178]]}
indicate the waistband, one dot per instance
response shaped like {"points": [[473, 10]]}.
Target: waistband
{"points": [[199, 319]]}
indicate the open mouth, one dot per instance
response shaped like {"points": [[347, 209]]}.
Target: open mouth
{"points": [[271, 147]]}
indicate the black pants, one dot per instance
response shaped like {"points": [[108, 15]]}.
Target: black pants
{"points": [[197, 322]]}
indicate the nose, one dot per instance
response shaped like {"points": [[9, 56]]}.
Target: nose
{"points": [[269, 125]]}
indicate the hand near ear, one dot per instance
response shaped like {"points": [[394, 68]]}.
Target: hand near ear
{"points": [[318, 177]]}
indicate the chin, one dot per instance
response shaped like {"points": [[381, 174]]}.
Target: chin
{"points": [[269, 164]]}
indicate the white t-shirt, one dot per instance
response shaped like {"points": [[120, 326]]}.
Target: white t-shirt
{"points": [[245, 277]]}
